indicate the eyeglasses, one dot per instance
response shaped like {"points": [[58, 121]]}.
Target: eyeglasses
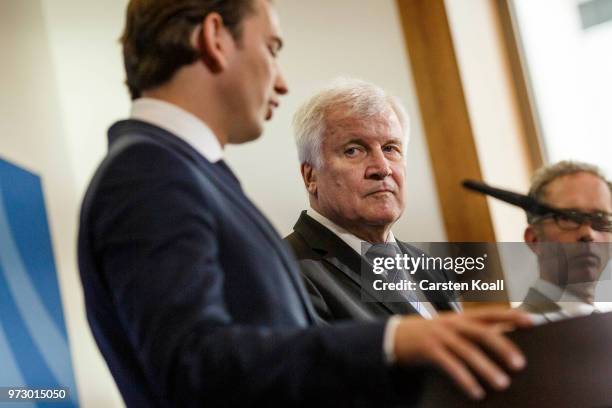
{"points": [[571, 220]]}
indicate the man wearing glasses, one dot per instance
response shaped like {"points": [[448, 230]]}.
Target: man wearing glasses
{"points": [[571, 241]]}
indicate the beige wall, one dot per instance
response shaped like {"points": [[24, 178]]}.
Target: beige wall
{"points": [[83, 38]]}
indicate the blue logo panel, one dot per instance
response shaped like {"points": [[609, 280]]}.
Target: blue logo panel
{"points": [[34, 348]]}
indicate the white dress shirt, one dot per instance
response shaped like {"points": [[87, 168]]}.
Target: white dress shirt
{"points": [[569, 304], [350, 239], [181, 124]]}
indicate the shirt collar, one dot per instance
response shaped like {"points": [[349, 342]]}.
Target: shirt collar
{"points": [[350, 239], [570, 304], [181, 124]]}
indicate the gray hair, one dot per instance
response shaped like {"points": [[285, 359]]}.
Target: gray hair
{"points": [[546, 174], [356, 98]]}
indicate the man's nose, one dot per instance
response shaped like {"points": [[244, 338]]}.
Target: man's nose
{"points": [[586, 233], [378, 167], [280, 84]]}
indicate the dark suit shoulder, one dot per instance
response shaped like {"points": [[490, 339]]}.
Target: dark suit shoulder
{"points": [[145, 153], [300, 247], [141, 165], [142, 181]]}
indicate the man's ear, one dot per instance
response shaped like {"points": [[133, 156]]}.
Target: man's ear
{"points": [[309, 175], [531, 238], [213, 40]]}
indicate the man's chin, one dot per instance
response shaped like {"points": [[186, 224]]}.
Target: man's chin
{"points": [[246, 134], [381, 218], [583, 290], [584, 276], [269, 114]]}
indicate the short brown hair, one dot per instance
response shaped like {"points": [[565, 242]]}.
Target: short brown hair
{"points": [[546, 174], [156, 39]]}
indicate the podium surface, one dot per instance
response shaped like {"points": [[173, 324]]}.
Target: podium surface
{"points": [[569, 364]]}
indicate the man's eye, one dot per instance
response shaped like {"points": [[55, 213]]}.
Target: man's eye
{"points": [[392, 149], [351, 151]]}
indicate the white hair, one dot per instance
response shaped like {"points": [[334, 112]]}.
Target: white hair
{"points": [[352, 97]]}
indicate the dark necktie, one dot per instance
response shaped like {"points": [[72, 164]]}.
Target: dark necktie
{"points": [[395, 275]]}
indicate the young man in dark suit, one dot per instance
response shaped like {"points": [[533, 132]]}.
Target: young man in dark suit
{"points": [[192, 297], [352, 138]]}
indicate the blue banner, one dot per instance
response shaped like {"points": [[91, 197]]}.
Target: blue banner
{"points": [[34, 348]]}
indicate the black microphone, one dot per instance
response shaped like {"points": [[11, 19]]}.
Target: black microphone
{"points": [[527, 203]]}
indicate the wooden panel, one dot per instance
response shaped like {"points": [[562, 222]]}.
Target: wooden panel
{"points": [[445, 117], [447, 126]]}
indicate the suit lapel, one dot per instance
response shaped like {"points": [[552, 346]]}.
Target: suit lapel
{"points": [[230, 188]]}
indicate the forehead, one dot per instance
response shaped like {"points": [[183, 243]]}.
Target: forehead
{"points": [[342, 127], [583, 191]]}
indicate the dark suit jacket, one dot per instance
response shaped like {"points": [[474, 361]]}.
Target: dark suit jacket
{"points": [[331, 271], [193, 298]]}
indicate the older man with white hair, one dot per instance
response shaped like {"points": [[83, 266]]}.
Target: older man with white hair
{"points": [[352, 139]]}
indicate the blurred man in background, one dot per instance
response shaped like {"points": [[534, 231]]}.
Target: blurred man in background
{"points": [[572, 244]]}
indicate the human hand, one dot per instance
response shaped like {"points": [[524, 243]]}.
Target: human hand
{"points": [[454, 342]]}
